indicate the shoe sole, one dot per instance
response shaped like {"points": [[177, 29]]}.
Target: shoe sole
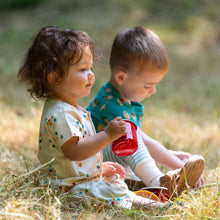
{"points": [[190, 173]]}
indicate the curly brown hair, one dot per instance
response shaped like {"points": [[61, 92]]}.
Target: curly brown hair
{"points": [[53, 50]]}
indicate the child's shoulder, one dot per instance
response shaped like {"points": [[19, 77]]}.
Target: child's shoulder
{"points": [[58, 108], [106, 93], [54, 106]]}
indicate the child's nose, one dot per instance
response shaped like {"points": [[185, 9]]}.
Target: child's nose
{"points": [[90, 74], [154, 90]]}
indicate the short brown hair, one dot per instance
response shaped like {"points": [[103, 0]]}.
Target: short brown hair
{"points": [[138, 46], [53, 50]]}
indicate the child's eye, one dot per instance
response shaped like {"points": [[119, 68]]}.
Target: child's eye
{"points": [[147, 86], [82, 70], [85, 69]]}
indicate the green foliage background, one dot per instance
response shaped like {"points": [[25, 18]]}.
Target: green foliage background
{"points": [[188, 28]]}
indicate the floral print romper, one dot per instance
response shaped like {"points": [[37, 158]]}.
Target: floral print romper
{"points": [[59, 122]]}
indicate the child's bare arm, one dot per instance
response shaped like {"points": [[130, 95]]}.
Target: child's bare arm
{"points": [[75, 149], [160, 153]]}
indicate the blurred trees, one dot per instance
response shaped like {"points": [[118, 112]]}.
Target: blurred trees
{"points": [[14, 4]]}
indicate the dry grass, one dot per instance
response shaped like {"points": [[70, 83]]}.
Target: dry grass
{"points": [[22, 197], [195, 134], [183, 115]]}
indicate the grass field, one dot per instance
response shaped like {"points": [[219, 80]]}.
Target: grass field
{"points": [[183, 115]]}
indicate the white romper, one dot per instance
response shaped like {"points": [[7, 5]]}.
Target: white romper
{"points": [[60, 121]]}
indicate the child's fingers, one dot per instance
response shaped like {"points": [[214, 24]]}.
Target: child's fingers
{"points": [[200, 182], [109, 167], [182, 155], [120, 121], [118, 118], [108, 170], [112, 168], [122, 125], [120, 170]]}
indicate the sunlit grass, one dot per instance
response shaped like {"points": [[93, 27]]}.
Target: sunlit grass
{"points": [[183, 115], [23, 197]]}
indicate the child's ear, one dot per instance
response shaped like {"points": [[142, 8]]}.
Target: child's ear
{"points": [[120, 77], [52, 79]]}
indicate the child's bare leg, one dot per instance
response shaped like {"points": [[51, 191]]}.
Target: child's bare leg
{"points": [[149, 173], [147, 170]]}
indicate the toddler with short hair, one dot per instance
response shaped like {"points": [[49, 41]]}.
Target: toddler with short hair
{"points": [[138, 63]]}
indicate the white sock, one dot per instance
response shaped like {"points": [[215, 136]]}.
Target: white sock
{"points": [[149, 173], [156, 181]]}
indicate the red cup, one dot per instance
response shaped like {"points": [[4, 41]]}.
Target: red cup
{"points": [[126, 144]]}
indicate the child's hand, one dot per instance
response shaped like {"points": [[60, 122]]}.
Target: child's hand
{"points": [[115, 128], [200, 182], [112, 169], [181, 155]]}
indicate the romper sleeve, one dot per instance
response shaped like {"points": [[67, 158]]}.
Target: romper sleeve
{"points": [[62, 126]]}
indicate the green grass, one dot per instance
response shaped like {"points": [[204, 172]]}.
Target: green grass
{"points": [[183, 115]]}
